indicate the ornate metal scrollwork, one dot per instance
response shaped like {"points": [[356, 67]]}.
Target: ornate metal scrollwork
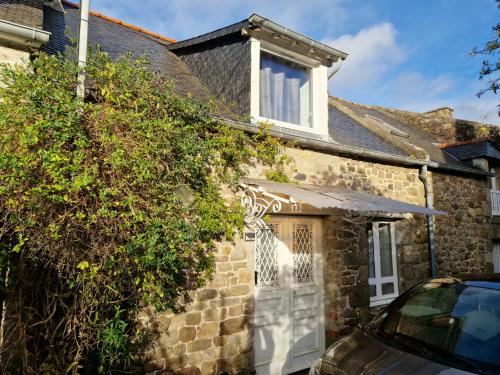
{"points": [[256, 207]]}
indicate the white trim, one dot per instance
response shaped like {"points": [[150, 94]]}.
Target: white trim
{"points": [[378, 280], [318, 88], [254, 78], [493, 179]]}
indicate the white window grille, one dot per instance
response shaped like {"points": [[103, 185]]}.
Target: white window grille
{"points": [[266, 256], [302, 253]]}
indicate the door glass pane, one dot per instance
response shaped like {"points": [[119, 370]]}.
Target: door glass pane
{"points": [[373, 290], [302, 253], [387, 288], [371, 261], [384, 230], [284, 90], [266, 256]]}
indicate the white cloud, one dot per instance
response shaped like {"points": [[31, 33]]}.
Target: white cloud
{"points": [[409, 87], [415, 92], [372, 52], [484, 110]]}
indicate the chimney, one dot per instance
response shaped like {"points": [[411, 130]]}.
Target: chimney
{"points": [[441, 112]]}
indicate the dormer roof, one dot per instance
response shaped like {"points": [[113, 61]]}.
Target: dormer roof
{"points": [[265, 29]]}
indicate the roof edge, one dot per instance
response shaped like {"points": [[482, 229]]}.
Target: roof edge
{"points": [[463, 143], [214, 34], [256, 21], [120, 22], [266, 23]]}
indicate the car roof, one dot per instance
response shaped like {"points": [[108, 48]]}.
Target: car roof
{"points": [[491, 281], [484, 284]]}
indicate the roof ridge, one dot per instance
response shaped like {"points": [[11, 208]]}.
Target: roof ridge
{"points": [[123, 23]]}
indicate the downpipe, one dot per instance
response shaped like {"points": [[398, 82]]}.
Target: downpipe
{"points": [[429, 202]]}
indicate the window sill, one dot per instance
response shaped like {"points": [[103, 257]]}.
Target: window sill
{"points": [[290, 128], [380, 302]]}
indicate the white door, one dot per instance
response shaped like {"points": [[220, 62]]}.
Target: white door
{"points": [[496, 256], [289, 318]]}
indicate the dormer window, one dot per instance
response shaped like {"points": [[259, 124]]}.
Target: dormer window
{"points": [[288, 89], [285, 90]]}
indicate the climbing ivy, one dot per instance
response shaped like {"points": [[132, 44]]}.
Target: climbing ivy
{"points": [[108, 205]]}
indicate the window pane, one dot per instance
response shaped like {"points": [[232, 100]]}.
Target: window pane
{"points": [[373, 291], [371, 261], [284, 90], [266, 257], [302, 253], [384, 230], [387, 288]]}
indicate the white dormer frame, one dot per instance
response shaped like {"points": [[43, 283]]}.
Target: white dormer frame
{"points": [[319, 88]]}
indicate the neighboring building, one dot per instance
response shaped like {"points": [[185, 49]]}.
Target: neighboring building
{"points": [[350, 233], [21, 28]]}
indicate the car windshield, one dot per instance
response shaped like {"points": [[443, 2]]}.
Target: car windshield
{"points": [[454, 322]]}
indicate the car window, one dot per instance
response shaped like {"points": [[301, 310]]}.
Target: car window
{"points": [[455, 318]]}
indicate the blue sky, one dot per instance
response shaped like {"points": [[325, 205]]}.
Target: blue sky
{"points": [[404, 54]]}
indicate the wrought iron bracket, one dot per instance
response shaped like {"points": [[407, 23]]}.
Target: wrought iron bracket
{"points": [[257, 203]]}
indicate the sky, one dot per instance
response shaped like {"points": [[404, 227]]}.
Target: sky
{"points": [[412, 55]]}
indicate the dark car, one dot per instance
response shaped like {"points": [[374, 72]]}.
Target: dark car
{"points": [[443, 326]]}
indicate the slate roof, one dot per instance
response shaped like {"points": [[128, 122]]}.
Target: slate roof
{"points": [[24, 12], [118, 39], [347, 131], [481, 149], [415, 136]]}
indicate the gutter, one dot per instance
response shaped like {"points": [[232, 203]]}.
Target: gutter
{"points": [[23, 35], [333, 147]]}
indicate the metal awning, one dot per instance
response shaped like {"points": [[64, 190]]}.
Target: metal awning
{"points": [[323, 197]]}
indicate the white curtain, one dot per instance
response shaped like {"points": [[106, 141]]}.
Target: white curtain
{"points": [[284, 91]]}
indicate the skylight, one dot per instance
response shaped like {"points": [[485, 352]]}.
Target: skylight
{"points": [[391, 129]]}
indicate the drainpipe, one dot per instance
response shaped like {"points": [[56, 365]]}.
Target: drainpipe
{"points": [[430, 219], [82, 47]]}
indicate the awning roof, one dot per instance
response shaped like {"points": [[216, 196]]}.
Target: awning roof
{"points": [[341, 198]]}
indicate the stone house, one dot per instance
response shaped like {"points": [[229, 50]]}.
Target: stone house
{"points": [[380, 198]]}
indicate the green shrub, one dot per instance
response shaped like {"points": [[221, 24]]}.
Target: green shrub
{"points": [[108, 205]]}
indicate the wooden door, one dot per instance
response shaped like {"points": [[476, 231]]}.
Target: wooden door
{"points": [[289, 316]]}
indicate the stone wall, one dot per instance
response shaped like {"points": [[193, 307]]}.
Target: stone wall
{"points": [[214, 334], [463, 236], [345, 244], [13, 56]]}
